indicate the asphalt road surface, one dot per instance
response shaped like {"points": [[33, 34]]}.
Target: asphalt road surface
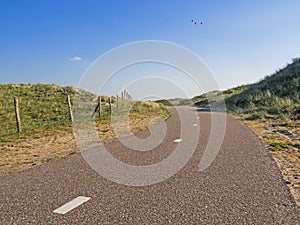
{"points": [[242, 186]]}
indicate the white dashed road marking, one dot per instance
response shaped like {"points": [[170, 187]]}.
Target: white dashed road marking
{"points": [[195, 125], [177, 140], [71, 205]]}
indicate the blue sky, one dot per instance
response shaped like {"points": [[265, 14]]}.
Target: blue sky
{"points": [[240, 40]]}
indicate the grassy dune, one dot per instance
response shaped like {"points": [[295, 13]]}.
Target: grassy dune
{"points": [[42, 108], [275, 97]]}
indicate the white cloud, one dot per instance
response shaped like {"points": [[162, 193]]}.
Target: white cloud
{"points": [[76, 58]]}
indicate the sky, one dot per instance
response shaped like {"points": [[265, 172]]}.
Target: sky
{"points": [[55, 41]]}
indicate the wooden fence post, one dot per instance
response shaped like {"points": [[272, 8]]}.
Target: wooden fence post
{"points": [[99, 103], [18, 121], [110, 108], [70, 108], [117, 103]]}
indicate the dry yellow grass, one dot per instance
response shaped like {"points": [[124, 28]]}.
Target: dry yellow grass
{"points": [[22, 154]]}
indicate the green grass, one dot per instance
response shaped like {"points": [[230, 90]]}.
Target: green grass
{"points": [[41, 107], [274, 97], [147, 107], [44, 109], [278, 146], [175, 102]]}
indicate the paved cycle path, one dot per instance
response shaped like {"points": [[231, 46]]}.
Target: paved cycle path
{"points": [[241, 186]]}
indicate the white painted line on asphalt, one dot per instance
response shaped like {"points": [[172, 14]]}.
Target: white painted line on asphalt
{"points": [[195, 125], [71, 205], [177, 140]]}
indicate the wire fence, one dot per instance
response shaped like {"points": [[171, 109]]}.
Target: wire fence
{"points": [[25, 114], [33, 113]]}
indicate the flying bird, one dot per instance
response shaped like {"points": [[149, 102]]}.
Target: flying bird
{"points": [[195, 22]]}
